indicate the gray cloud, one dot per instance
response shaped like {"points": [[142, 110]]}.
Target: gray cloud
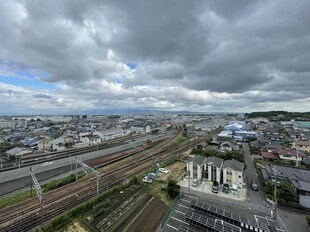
{"points": [[190, 55], [42, 96]]}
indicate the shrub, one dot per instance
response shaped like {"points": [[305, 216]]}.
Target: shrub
{"points": [[281, 201], [173, 189], [308, 220]]}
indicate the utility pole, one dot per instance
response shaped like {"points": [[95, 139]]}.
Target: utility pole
{"points": [[188, 175], [98, 175], [296, 156], [76, 174], [39, 193], [275, 193]]}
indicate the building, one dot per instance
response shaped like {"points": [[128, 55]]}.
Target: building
{"points": [[90, 139], [302, 145], [289, 154], [233, 173], [212, 169], [228, 146], [300, 179], [206, 168], [17, 151], [8, 124]]}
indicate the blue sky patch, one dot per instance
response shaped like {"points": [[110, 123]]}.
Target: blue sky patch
{"points": [[132, 66], [14, 73]]}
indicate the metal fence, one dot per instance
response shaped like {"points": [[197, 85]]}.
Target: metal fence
{"points": [[169, 212]]}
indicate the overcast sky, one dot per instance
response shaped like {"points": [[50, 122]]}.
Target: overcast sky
{"points": [[169, 55]]}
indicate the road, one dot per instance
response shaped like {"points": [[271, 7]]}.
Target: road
{"points": [[256, 197]]}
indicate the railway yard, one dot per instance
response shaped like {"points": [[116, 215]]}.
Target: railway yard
{"points": [[116, 169]]}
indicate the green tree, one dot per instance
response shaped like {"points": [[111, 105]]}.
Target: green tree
{"points": [[173, 189]]}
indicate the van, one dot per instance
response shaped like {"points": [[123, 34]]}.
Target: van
{"points": [[254, 186], [215, 187], [234, 189]]}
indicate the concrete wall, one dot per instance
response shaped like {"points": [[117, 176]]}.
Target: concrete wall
{"points": [[304, 201], [11, 186]]}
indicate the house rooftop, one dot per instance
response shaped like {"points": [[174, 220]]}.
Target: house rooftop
{"points": [[302, 143], [218, 162], [233, 164], [199, 159]]}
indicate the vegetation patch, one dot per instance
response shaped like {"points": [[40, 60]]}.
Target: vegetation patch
{"points": [[46, 187]]}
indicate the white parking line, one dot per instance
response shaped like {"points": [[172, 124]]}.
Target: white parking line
{"points": [[172, 227], [180, 220], [183, 206], [185, 200], [191, 196], [179, 212]]}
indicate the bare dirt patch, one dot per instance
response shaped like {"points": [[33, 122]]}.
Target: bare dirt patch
{"points": [[148, 220], [176, 171], [75, 227]]}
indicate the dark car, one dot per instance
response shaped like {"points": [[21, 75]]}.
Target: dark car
{"points": [[225, 188], [254, 186], [215, 187]]}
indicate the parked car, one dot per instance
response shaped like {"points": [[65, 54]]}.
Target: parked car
{"points": [[152, 176], [195, 183], [225, 188], [234, 189], [163, 170], [147, 180], [254, 186], [215, 187]]}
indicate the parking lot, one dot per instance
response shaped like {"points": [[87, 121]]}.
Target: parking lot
{"points": [[206, 187], [184, 211]]}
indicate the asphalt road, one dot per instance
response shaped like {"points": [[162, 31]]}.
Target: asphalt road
{"points": [[256, 197]]}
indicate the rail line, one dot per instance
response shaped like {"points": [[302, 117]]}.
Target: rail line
{"points": [[83, 190]]}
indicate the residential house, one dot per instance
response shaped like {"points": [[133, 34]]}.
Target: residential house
{"points": [[90, 139], [228, 146], [206, 168], [212, 169], [195, 166], [44, 144], [306, 162], [302, 145], [300, 179], [29, 142], [289, 154], [269, 156], [58, 144], [17, 151], [233, 172]]}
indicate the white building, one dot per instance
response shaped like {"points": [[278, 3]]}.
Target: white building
{"points": [[8, 124], [147, 129], [233, 173], [90, 139], [206, 168]]}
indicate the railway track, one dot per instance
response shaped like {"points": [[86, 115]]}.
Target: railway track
{"points": [[35, 159], [81, 192]]}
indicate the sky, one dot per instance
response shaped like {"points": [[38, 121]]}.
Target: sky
{"points": [[63, 57]]}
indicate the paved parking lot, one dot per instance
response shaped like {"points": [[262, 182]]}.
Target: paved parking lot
{"points": [[206, 187], [177, 217]]}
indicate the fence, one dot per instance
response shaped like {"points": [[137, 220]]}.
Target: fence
{"points": [[169, 212]]}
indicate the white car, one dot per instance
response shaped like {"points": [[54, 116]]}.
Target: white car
{"points": [[163, 170], [47, 163], [147, 180]]}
